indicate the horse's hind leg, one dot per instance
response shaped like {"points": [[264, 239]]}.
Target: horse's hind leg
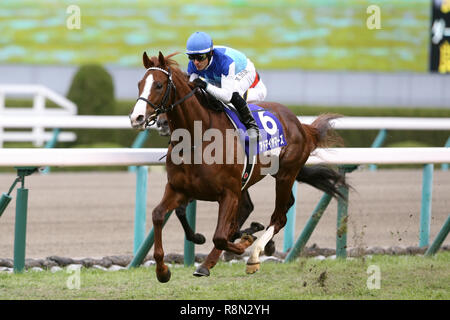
{"points": [[269, 248], [284, 200], [196, 238], [245, 208]]}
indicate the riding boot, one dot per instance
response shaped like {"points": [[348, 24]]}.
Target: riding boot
{"points": [[246, 115]]}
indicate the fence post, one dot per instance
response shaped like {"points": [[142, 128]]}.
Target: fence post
{"points": [[140, 211], [189, 247], [138, 143], [20, 230], [342, 215], [425, 210], [38, 109], [309, 228], [51, 144], [20, 225], [289, 229], [378, 142], [439, 238], [444, 166]]}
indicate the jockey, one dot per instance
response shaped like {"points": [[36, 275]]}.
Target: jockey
{"points": [[229, 76]]}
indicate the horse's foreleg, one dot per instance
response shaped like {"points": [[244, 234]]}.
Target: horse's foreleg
{"points": [[244, 210], [169, 202]]}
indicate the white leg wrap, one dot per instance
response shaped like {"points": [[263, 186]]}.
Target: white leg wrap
{"points": [[260, 244]]}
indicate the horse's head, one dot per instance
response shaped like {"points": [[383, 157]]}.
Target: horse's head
{"points": [[154, 92]]}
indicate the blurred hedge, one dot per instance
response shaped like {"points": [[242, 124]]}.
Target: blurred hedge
{"points": [[92, 90]]}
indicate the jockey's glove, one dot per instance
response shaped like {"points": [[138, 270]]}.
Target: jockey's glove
{"points": [[200, 83]]}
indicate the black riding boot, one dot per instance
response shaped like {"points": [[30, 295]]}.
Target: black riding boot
{"points": [[246, 115]]}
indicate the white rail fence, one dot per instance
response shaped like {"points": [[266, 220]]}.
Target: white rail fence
{"points": [[39, 94]]}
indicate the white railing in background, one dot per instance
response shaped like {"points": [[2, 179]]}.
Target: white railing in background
{"points": [[39, 94]]}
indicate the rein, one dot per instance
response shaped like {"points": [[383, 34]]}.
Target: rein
{"points": [[162, 108]]}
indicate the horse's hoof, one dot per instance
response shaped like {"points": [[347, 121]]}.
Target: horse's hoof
{"points": [[252, 268], [256, 226], [201, 272], [199, 239], [269, 249], [163, 277]]}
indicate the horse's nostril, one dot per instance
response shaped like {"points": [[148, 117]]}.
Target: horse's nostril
{"points": [[140, 118]]}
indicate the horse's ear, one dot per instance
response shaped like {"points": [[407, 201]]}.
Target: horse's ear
{"points": [[146, 60], [162, 60]]}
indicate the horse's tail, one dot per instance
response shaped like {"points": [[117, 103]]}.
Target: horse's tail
{"points": [[321, 132], [323, 178]]}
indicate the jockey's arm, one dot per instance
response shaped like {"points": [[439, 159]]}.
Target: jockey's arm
{"points": [[227, 88], [227, 85], [225, 92]]}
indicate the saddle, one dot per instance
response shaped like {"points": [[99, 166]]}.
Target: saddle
{"points": [[271, 132]]}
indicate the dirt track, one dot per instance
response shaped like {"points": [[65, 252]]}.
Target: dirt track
{"points": [[92, 214]]}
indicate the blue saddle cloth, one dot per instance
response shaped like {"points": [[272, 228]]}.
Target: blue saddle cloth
{"points": [[270, 128], [271, 136]]}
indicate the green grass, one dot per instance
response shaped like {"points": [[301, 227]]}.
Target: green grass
{"points": [[402, 277]]}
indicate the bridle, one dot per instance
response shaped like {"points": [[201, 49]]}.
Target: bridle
{"points": [[163, 107]]}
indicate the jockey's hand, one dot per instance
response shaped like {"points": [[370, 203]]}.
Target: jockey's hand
{"points": [[199, 83]]}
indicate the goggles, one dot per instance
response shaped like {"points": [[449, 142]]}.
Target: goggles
{"points": [[197, 56]]}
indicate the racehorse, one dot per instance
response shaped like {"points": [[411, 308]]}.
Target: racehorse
{"points": [[165, 89], [318, 176]]}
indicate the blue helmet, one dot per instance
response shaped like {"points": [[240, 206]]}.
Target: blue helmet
{"points": [[199, 42]]}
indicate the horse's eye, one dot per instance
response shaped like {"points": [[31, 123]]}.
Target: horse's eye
{"points": [[158, 85]]}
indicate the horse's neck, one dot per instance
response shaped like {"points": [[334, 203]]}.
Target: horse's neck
{"points": [[185, 114]]}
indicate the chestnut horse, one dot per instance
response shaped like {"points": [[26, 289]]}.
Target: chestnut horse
{"points": [[318, 176], [165, 89]]}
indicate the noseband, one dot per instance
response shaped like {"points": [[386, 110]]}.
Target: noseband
{"points": [[163, 107]]}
